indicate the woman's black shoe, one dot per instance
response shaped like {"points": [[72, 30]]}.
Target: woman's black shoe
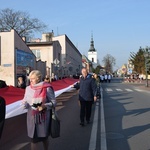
{"points": [[82, 123]]}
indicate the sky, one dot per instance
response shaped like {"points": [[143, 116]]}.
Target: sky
{"points": [[118, 26]]}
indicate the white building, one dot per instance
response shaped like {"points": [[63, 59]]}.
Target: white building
{"points": [[92, 54], [71, 58], [47, 51], [62, 57]]}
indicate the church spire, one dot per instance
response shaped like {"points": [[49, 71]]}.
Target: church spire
{"points": [[92, 49]]}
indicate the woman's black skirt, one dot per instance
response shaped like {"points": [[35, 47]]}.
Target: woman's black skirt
{"points": [[37, 139]]}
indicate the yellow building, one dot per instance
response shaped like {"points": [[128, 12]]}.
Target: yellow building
{"points": [[124, 69]]}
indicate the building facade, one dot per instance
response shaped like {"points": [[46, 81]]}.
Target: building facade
{"points": [[71, 58], [50, 52], [15, 57]]}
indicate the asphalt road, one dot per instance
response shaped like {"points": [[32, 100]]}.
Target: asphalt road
{"points": [[127, 122], [127, 116], [73, 136]]}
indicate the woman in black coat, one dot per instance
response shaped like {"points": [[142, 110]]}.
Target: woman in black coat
{"points": [[2, 114]]}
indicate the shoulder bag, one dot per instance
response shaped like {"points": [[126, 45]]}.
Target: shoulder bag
{"points": [[54, 124]]}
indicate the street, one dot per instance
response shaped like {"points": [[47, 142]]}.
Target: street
{"points": [[127, 116], [73, 136]]}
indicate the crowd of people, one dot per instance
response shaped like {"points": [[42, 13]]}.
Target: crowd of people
{"points": [[105, 78], [23, 82], [134, 78], [39, 99]]}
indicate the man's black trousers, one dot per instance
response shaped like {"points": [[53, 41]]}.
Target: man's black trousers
{"points": [[85, 111]]}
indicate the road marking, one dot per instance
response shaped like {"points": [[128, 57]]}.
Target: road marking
{"points": [[93, 138], [119, 90], [138, 90], [102, 122], [108, 90], [20, 146], [129, 90]]}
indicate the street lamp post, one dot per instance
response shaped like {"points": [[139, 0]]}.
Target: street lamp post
{"points": [[56, 63], [146, 74], [130, 67]]}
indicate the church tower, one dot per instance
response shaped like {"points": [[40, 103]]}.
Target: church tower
{"points": [[92, 53]]}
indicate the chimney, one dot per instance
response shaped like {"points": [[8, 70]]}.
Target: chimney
{"points": [[47, 37], [24, 39]]}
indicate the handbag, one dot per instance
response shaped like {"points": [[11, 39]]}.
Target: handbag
{"points": [[55, 124]]}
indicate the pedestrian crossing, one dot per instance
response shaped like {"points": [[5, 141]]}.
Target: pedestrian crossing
{"points": [[129, 90], [121, 90]]}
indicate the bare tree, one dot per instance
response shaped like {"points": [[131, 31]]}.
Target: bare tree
{"points": [[109, 61], [20, 21]]}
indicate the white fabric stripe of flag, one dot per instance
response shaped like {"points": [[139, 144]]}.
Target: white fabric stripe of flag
{"points": [[108, 89], [129, 90]]}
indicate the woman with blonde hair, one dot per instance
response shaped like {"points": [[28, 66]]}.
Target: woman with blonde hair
{"points": [[39, 98]]}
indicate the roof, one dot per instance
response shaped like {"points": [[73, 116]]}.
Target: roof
{"points": [[39, 43], [85, 59], [92, 49]]}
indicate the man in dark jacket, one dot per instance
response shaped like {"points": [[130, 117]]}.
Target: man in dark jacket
{"points": [[87, 94], [2, 114]]}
